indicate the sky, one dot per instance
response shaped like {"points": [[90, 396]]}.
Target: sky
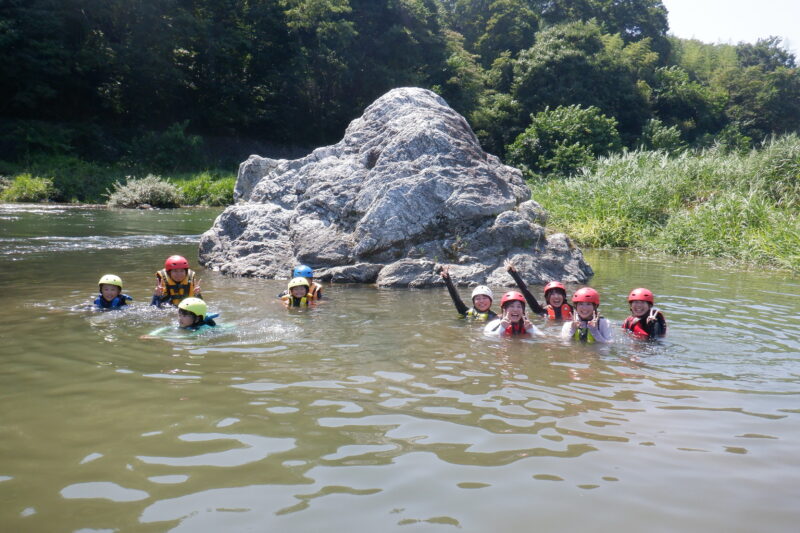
{"points": [[732, 21]]}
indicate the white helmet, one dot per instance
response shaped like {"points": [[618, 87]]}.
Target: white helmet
{"points": [[482, 290]]}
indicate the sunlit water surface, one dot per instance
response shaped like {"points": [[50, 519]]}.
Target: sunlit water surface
{"points": [[380, 410]]}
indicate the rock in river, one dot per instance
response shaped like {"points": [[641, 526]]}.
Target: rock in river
{"points": [[407, 188]]}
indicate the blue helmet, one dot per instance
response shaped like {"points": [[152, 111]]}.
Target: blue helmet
{"points": [[302, 271]]}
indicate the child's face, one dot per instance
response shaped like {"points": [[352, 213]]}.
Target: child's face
{"points": [[109, 291], [585, 310], [178, 274], [482, 303], [639, 307], [514, 311], [185, 319], [555, 298], [299, 292]]}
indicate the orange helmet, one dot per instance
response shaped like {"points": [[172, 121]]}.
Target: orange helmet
{"points": [[175, 261], [586, 294], [641, 294], [552, 286], [512, 296]]}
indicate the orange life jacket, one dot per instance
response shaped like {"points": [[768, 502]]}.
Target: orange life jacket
{"points": [[566, 312]]}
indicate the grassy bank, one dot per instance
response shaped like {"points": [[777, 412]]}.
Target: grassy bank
{"points": [[742, 207], [71, 179]]}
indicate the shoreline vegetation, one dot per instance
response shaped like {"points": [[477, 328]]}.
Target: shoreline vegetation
{"points": [[739, 206]]}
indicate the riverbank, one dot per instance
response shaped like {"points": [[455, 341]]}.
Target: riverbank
{"points": [[741, 207], [69, 179]]}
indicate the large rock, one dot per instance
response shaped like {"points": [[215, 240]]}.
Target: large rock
{"points": [[407, 188]]}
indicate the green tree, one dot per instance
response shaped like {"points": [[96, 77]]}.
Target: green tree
{"points": [[763, 102], [634, 20], [560, 141], [570, 64], [510, 27], [694, 108], [766, 53]]}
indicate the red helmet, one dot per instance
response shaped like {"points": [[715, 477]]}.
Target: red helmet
{"points": [[586, 294], [512, 296], [554, 285], [641, 294], [176, 261]]}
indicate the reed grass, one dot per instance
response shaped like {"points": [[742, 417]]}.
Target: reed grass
{"points": [[741, 207]]}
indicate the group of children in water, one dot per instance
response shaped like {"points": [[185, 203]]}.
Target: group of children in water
{"points": [[582, 322], [176, 285]]}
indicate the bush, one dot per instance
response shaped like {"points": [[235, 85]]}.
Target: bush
{"points": [[169, 150], [560, 141], [75, 180], [151, 190], [657, 136], [207, 189], [26, 188]]}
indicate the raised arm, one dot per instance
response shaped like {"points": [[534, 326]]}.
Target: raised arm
{"points": [[460, 307], [532, 303]]}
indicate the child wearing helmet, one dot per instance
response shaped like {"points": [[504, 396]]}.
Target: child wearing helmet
{"points": [[481, 299], [555, 297], [297, 293], [514, 321], [646, 321], [193, 315], [587, 326], [111, 296], [175, 282], [314, 288]]}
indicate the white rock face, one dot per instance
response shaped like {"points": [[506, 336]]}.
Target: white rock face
{"points": [[408, 187]]}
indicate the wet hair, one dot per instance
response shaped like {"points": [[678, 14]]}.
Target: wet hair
{"points": [[195, 318]]}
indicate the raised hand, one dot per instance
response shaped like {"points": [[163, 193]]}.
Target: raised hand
{"points": [[594, 320], [159, 290], [196, 290], [445, 272], [509, 265]]}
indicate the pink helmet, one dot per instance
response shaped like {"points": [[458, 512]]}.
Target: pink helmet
{"points": [[641, 294], [586, 294], [512, 296], [175, 261]]}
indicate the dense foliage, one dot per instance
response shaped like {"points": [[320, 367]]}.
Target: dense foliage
{"points": [[166, 85]]}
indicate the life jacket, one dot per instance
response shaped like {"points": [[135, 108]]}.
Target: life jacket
{"points": [[291, 301], [175, 292], [565, 312], [477, 315], [116, 303], [639, 327], [585, 334], [208, 321], [516, 329]]}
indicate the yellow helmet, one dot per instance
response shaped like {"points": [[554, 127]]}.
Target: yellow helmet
{"points": [[194, 305], [111, 279], [297, 282]]}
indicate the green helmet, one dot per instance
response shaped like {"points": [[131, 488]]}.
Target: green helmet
{"points": [[111, 279], [194, 305], [297, 282]]}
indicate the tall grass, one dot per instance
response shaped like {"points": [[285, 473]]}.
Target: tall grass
{"points": [[742, 207]]}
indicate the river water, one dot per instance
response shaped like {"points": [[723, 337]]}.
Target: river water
{"points": [[380, 410]]}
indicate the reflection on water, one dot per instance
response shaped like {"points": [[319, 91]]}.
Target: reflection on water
{"points": [[379, 409]]}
